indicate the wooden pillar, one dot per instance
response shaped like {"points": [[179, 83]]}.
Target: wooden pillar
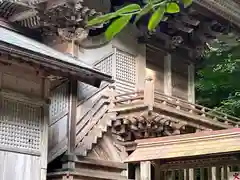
{"points": [[226, 170], [214, 173], [218, 173], [157, 173], [181, 174], [71, 124], [222, 173], [72, 116], [185, 174], [149, 93], [202, 174], [170, 175], [44, 148], [137, 172], [167, 75], [145, 170], [191, 84], [191, 174]]}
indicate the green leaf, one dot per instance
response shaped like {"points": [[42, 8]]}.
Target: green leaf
{"points": [[128, 9], [101, 19], [117, 26], [156, 18], [144, 11], [172, 8], [187, 3]]}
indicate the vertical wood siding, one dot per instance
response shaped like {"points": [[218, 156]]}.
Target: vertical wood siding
{"points": [[23, 134], [16, 166], [58, 118]]}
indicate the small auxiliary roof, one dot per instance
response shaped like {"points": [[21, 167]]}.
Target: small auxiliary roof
{"points": [[188, 145], [60, 63]]}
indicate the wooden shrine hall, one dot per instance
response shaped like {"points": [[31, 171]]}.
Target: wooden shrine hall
{"points": [[74, 106]]}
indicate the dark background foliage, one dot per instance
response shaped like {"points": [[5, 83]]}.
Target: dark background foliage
{"points": [[218, 80]]}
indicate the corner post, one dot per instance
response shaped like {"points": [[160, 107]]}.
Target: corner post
{"points": [[149, 93], [168, 75], [191, 84], [71, 124]]}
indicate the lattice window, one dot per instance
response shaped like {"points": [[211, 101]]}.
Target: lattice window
{"points": [[59, 100], [20, 125], [105, 65], [125, 67]]}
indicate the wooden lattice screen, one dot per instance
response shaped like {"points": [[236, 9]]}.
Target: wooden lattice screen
{"points": [[20, 125], [126, 68], [106, 65], [59, 100]]}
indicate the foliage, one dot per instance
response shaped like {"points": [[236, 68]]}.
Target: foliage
{"points": [[217, 82], [122, 17]]}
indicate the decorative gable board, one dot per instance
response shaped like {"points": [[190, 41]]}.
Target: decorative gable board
{"points": [[108, 148]]}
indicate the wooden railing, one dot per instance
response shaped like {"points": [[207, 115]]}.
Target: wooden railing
{"points": [[129, 98], [149, 97], [196, 109]]}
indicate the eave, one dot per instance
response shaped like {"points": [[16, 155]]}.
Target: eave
{"points": [[54, 62], [190, 145]]}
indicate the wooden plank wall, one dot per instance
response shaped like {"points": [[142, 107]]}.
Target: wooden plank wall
{"points": [[179, 78], [58, 121], [155, 69], [23, 122], [170, 74], [17, 166]]}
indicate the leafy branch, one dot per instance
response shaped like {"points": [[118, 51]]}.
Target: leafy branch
{"points": [[158, 9]]}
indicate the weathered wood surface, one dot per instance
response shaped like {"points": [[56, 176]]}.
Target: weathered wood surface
{"points": [[94, 122], [150, 113], [16, 166], [24, 119], [188, 145], [57, 136]]}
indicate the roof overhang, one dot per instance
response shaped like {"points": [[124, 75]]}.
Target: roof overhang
{"points": [[189, 145], [228, 10], [55, 62]]}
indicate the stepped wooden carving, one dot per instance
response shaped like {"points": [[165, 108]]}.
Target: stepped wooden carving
{"points": [[144, 114]]}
